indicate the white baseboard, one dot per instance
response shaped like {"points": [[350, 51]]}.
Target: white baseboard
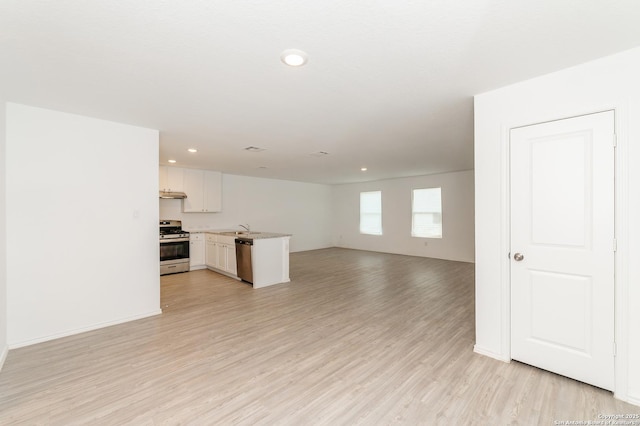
{"points": [[20, 344], [3, 356], [220, 271], [633, 399], [481, 351]]}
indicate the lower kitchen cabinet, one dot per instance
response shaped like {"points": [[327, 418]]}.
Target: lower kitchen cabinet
{"points": [[232, 267], [269, 258], [221, 254], [221, 260], [230, 258], [196, 251], [211, 253]]}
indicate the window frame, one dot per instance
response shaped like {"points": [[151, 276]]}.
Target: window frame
{"points": [[414, 212], [370, 213]]}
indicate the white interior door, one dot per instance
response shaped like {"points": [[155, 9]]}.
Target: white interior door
{"points": [[562, 247]]}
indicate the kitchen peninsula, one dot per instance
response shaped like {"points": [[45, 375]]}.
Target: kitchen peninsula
{"points": [[268, 252]]}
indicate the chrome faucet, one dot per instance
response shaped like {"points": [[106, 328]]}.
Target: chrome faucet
{"points": [[248, 228]]}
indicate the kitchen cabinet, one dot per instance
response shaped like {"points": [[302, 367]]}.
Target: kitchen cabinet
{"points": [[226, 253], [204, 191], [269, 256], [196, 251], [221, 258], [211, 252], [232, 267], [221, 254], [171, 179]]}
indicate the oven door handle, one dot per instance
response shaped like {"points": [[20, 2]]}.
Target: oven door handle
{"points": [[174, 240]]}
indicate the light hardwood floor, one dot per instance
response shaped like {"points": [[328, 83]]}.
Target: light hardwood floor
{"points": [[355, 338]]}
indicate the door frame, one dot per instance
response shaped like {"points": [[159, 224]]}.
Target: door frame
{"points": [[621, 226]]}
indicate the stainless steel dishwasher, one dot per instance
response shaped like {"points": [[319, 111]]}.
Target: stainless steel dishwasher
{"points": [[243, 258]]}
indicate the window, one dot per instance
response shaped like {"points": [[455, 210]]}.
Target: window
{"points": [[426, 211], [371, 213]]}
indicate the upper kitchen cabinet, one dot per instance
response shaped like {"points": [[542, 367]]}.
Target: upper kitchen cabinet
{"points": [[204, 191], [171, 179]]}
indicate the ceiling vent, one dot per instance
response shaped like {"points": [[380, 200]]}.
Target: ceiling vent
{"points": [[254, 149]]}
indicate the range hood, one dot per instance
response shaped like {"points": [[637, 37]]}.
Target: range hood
{"points": [[172, 195]]}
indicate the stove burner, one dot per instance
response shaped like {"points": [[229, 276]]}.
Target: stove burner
{"points": [[172, 229]]}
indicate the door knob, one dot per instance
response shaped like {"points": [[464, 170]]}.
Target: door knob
{"points": [[518, 257]]}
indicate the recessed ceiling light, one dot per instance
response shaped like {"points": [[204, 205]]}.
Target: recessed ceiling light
{"points": [[172, 161], [293, 57], [192, 150], [363, 169]]}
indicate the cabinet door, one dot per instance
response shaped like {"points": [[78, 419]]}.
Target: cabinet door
{"points": [[222, 257], [175, 179], [171, 179], [196, 250], [231, 260], [212, 191], [211, 254], [163, 183], [194, 188]]}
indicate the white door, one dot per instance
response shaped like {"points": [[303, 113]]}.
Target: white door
{"points": [[562, 247]]}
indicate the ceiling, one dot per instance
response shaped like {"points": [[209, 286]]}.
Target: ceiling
{"points": [[388, 85]]}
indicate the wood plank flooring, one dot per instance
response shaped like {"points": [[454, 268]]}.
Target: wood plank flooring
{"points": [[355, 338]]}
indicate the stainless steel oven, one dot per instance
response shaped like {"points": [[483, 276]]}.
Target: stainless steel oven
{"points": [[174, 247]]}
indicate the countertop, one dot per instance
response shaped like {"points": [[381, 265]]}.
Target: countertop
{"points": [[253, 235]]}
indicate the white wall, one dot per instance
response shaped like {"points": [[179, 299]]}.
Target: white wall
{"points": [[268, 205], [3, 240], [457, 217], [609, 83], [82, 204]]}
